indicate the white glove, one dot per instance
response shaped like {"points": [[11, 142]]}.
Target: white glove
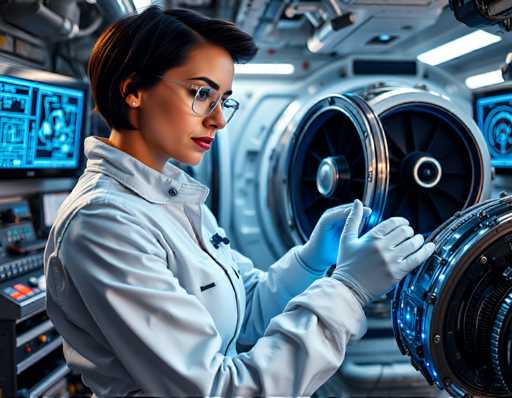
{"points": [[321, 250], [372, 264]]}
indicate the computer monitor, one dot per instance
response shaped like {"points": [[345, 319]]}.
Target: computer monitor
{"points": [[493, 114], [43, 119]]}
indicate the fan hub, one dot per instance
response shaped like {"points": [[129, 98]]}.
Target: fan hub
{"points": [[333, 172], [421, 170], [427, 172]]}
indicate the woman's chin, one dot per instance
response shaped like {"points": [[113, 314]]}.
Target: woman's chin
{"points": [[191, 159]]}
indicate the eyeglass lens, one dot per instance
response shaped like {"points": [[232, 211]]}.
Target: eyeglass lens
{"points": [[206, 100]]}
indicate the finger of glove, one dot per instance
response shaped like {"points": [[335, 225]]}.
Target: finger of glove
{"points": [[337, 210], [399, 235], [388, 226], [354, 219], [409, 246], [336, 215], [366, 214], [418, 258], [341, 212]]}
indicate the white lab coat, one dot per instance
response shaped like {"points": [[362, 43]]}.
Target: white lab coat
{"points": [[147, 305]]}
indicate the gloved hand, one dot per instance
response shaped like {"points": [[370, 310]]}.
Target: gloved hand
{"points": [[372, 264], [321, 250]]}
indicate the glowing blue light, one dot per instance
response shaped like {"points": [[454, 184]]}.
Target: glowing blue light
{"points": [[467, 246]]}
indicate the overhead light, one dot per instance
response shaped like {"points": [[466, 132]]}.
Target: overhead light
{"points": [[382, 39], [458, 47], [141, 5], [264, 69], [485, 79]]}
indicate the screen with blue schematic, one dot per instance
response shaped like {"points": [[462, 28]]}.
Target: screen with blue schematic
{"points": [[493, 113], [41, 124]]}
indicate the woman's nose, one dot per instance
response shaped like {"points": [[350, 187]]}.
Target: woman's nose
{"points": [[217, 117]]}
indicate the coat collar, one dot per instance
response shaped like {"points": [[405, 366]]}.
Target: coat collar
{"points": [[172, 185]]}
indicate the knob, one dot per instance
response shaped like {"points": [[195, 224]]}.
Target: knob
{"points": [[33, 281]]}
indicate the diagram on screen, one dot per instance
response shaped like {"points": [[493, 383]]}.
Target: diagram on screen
{"points": [[39, 125], [56, 133], [498, 127], [494, 117]]}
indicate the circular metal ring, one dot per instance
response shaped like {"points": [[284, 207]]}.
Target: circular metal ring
{"points": [[419, 123], [336, 135]]}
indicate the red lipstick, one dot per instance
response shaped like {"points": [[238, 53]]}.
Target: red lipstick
{"points": [[203, 142]]}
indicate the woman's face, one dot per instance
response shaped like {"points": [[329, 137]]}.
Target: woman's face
{"points": [[164, 114]]}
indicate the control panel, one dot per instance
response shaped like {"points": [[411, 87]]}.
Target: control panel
{"points": [[30, 347], [21, 261], [23, 293]]}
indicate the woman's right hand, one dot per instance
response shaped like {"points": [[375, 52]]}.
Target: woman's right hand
{"points": [[372, 264]]}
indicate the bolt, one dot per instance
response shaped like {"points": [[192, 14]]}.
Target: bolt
{"points": [[430, 298], [437, 339], [483, 260]]}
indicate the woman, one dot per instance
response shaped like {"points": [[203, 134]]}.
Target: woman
{"points": [[141, 281]]}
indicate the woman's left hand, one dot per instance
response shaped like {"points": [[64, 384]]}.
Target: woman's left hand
{"points": [[321, 250]]}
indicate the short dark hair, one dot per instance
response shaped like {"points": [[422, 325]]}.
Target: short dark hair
{"points": [[144, 46]]}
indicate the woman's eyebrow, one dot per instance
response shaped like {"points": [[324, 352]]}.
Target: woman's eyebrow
{"points": [[211, 83], [207, 80]]}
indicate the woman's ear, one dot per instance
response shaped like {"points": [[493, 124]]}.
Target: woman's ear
{"points": [[131, 97]]}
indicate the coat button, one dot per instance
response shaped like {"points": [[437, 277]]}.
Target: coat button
{"points": [[173, 191]]}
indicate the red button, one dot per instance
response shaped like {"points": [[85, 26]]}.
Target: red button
{"points": [[17, 295], [22, 288]]}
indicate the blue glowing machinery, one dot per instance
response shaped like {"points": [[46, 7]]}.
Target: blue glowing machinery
{"points": [[453, 315]]}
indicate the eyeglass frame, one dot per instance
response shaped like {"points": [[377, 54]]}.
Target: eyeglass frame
{"points": [[193, 86]]}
